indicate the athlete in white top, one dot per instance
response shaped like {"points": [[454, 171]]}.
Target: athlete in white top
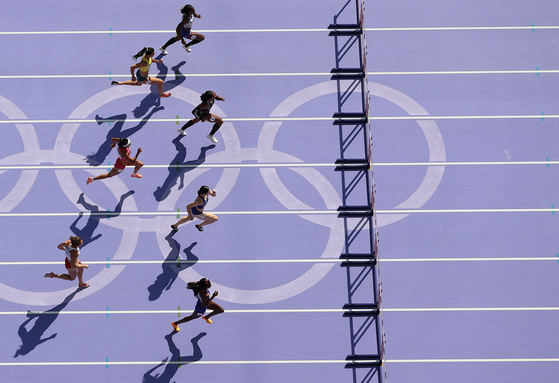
{"points": [[73, 265], [183, 30]]}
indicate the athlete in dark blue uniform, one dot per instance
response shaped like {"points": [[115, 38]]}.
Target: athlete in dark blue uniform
{"points": [[196, 210], [201, 292]]}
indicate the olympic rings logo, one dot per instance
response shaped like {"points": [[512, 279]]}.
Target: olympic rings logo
{"points": [[234, 153]]}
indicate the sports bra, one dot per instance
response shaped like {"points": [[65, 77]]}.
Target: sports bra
{"points": [[145, 69], [188, 24], [123, 151], [204, 204]]}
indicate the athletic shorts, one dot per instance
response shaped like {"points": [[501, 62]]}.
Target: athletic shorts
{"points": [[200, 310], [139, 77], [187, 34], [120, 164], [197, 213]]}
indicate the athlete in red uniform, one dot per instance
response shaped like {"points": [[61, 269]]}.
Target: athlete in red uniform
{"points": [[73, 264], [122, 161]]}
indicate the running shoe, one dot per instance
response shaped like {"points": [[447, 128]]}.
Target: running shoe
{"points": [[212, 138], [89, 180], [136, 175], [200, 228], [207, 320], [175, 327], [163, 51], [175, 229], [49, 275], [181, 131], [186, 48]]}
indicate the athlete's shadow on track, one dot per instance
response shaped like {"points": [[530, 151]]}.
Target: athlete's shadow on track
{"points": [[163, 191], [86, 233], [172, 365], [163, 71], [171, 267], [100, 156], [32, 338]]}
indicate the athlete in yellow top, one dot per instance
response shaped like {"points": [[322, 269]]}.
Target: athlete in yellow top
{"points": [[142, 72]]}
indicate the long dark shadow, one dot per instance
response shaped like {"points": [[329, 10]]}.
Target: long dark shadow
{"points": [[177, 170], [171, 365], [86, 233], [30, 339], [170, 271]]}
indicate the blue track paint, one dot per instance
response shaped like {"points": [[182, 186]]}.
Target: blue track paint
{"points": [[533, 29], [109, 215], [538, 69], [557, 258], [553, 212], [108, 264], [111, 31], [107, 360], [542, 117], [109, 168], [107, 312], [547, 159]]}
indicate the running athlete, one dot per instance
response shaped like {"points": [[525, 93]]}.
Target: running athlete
{"points": [[202, 113], [201, 292], [183, 30], [122, 161], [72, 263], [142, 72], [196, 210]]}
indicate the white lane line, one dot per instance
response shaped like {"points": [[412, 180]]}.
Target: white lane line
{"points": [[318, 260], [260, 362], [296, 212], [229, 119], [461, 28], [497, 360], [277, 165], [240, 165], [462, 72], [285, 311], [109, 31], [107, 76], [81, 121], [204, 362], [281, 30]]}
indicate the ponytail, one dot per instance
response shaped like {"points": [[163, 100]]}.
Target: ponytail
{"points": [[145, 50]]}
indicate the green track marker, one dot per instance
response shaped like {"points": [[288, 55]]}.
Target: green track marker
{"points": [[111, 31], [178, 169], [179, 308], [177, 119], [542, 117], [108, 264], [178, 211], [179, 361], [179, 261], [107, 360], [547, 159], [107, 312]]}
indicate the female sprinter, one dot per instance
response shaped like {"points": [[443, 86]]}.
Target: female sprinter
{"points": [[183, 30], [123, 160], [201, 292], [142, 72], [196, 210], [202, 113], [73, 264]]}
